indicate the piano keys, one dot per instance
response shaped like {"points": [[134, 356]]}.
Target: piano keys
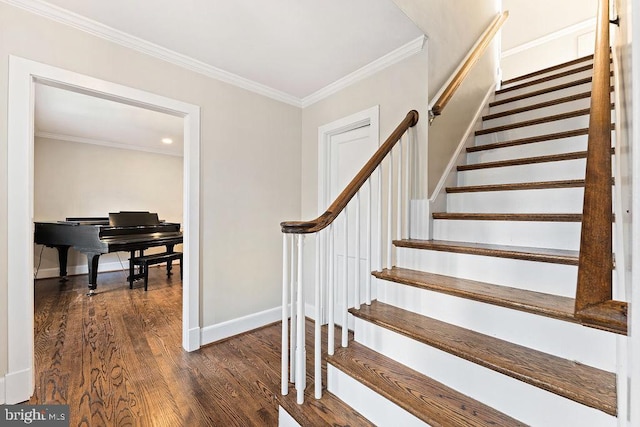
{"points": [[129, 231]]}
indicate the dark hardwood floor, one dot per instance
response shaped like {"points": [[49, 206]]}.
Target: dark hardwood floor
{"points": [[116, 359]]}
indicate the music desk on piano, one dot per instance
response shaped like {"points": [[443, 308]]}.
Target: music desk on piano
{"points": [[122, 231]]}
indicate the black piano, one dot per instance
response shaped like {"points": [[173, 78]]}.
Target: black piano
{"points": [[123, 231]]}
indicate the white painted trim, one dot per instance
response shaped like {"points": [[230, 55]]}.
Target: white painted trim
{"points": [[73, 270], [285, 419], [369, 117], [467, 140], [584, 25], [220, 331], [409, 49], [110, 144], [97, 29], [23, 75], [18, 384], [2, 388], [633, 14]]}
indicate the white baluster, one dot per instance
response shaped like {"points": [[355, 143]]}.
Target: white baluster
{"points": [[357, 257], [317, 347], [294, 312], [390, 212], [380, 244], [369, 241], [285, 316], [345, 278], [399, 193], [331, 296], [301, 350], [407, 190]]}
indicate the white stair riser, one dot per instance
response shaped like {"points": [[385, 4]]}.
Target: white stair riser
{"points": [[549, 278], [552, 235], [533, 172], [545, 84], [543, 148], [568, 340], [376, 408], [551, 110], [285, 419], [549, 200], [549, 96], [508, 395], [555, 126], [550, 73]]}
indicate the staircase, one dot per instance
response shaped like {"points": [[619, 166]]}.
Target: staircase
{"points": [[476, 326]]}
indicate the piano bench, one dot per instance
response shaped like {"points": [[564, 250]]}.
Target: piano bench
{"points": [[145, 261]]}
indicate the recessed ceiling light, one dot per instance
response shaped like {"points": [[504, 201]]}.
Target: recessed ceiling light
{"points": [[167, 140]]}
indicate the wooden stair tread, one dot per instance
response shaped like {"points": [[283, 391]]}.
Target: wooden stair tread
{"points": [[547, 78], [584, 384], [530, 140], [539, 105], [534, 217], [557, 256], [548, 69], [525, 161], [610, 315], [541, 91], [330, 410], [567, 183], [423, 397], [555, 306], [537, 121]]}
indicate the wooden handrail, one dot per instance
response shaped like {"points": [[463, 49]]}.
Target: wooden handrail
{"points": [[471, 60], [596, 243], [303, 227]]}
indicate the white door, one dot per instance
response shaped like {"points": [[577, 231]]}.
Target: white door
{"points": [[348, 152]]}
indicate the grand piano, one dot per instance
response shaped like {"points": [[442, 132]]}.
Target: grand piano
{"points": [[128, 231]]}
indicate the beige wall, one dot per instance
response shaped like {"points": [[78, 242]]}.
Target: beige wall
{"points": [[73, 179], [250, 161], [452, 26]]}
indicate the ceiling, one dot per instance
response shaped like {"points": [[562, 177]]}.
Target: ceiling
{"points": [[293, 48]]}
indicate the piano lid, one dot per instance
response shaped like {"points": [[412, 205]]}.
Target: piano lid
{"points": [[132, 218]]}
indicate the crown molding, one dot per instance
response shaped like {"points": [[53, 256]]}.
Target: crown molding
{"points": [[97, 29], [397, 55], [584, 25], [109, 144]]}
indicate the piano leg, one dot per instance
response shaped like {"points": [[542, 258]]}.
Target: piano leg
{"points": [[63, 251], [92, 262], [169, 250]]}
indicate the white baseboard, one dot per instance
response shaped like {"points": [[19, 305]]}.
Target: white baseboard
{"points": [[46, 273], [17, 386], [286, 420], [2, 393], [191, 341], [213, 333]]}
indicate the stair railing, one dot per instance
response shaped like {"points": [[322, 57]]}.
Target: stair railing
{"points": [[448, 90], [325, 268], [594, 288]]}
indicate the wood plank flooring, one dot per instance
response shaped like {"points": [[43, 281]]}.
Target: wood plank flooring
{"points": [[116, 359]]}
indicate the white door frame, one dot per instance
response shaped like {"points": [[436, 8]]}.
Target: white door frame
{"points": [[371, 117], [23, 75]]}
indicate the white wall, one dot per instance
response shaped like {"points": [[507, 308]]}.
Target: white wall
{"points": [[72, 179], [250, 161], [550, 30]]}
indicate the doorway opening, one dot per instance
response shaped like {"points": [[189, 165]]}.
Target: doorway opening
{"points": [[23, 77]]}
